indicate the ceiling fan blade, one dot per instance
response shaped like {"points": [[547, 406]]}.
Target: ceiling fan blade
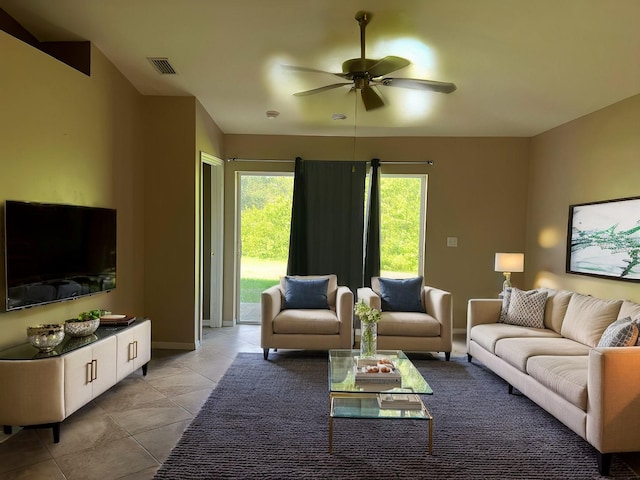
{"points": [[387, 65], [295, 68], [417, 84], [371, 99], [321, 89]]}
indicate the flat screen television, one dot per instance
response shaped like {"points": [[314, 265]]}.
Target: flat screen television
{"points": [[56, 252]]}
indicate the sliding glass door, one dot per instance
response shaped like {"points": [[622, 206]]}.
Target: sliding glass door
{"points": [[263, 219]]}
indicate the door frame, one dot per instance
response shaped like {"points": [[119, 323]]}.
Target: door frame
{"points": [[214, 251], [237, 264]]}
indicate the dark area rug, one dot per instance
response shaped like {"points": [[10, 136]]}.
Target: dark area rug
{"points": [[269, 420]]}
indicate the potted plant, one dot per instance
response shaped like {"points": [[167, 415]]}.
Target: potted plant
{"points": [[369, 318]]}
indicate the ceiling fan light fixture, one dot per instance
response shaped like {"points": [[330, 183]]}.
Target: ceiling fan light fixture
{"points": [[271, 114], [364, 73]]}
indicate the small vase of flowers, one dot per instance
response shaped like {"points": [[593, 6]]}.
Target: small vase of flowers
{"points": [[369, 318]]}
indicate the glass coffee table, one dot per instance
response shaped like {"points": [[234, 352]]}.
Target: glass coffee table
{"points": [[352, 395]]}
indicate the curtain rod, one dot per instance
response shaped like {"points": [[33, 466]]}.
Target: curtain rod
{"points": [[288, 160]]}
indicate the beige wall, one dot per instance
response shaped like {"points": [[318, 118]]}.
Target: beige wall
{"points": [[589, 159], [176, 130], [69, 138], [477, 191], [209, 140]]}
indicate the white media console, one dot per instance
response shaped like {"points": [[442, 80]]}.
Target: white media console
{"points": [[42, 389]]}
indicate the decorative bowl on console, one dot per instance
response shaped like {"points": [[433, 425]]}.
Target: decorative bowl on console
{"points": [[81, 328], [46, 337]]}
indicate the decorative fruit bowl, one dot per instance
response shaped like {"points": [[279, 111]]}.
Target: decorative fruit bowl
{"points": [[75, 327], [46, 337]]}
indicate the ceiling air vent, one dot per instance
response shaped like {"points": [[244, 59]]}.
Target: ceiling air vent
{"points": [[162, 65]]}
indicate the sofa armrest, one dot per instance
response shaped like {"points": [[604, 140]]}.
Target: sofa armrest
{"points": [[368, 296], [438, 304], [270, 306], [613, 393], [482, 311], [344, 311]]}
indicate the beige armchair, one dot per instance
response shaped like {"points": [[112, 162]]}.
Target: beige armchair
{"points": [[293, 325], [414, 331]]}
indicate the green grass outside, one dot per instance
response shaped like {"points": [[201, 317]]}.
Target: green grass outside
{"points": [[251, 288], [262, 274]]}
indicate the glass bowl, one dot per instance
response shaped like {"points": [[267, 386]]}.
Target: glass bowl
{"points": [[81, 328], [46, 337]]}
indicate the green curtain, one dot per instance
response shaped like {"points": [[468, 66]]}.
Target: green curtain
{"points": [[371, 262], [327, 220], [297, 263]]}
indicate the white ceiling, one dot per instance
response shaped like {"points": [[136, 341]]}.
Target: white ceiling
{"points": [[521, 66]]}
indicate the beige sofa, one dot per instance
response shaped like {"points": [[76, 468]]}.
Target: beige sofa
{"points": [[414, 331], [307, 329], [592, 390]]}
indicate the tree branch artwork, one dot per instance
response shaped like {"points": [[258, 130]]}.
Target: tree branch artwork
{"points": [[604, 239]]}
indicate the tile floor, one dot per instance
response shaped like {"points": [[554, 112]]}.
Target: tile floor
{"points": [[128, 431]]}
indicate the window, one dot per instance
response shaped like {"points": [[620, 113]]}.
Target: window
{"points": [[402, 224]]}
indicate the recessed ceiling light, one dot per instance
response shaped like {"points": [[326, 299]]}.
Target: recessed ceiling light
{"points": [[271, 114], [338, 116]]}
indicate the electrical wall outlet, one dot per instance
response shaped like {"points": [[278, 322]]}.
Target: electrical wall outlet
{"points": [[452, 241]]}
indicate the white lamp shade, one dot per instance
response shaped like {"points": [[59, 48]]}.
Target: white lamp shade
{"points": [[509, 262]]}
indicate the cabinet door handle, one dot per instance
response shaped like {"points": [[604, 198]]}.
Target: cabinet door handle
{"points": [[94, 364], [131, 351], [135, 348], [89, 372]]}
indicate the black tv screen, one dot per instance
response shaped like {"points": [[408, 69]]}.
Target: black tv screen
{"points": [[57, 252]]}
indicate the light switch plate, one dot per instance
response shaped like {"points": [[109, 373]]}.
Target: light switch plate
{"points": [[452, 241]]}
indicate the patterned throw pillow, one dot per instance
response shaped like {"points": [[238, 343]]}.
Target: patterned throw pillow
{"points": [[621, 333], [506, 299], [526, 308]]}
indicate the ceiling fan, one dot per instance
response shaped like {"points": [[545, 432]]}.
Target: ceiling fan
{"points": [[365, 73]]}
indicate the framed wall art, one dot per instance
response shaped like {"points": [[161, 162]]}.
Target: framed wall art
{"points": [[603, 239]]}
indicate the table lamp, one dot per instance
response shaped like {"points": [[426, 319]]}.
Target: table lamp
{"points": [[508, 263]]}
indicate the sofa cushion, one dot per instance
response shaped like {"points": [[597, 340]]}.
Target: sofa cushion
{"points": [[401, 295], [306, 293], [306, 322], [517, 351], [526, 308], [408, 324], [487, 335], [629, 309], [563, 375], [587, 318], [555, 308], [621, 333]]}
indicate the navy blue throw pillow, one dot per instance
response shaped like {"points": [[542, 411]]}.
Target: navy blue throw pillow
{"points": [[306, 293], [401, 295]]}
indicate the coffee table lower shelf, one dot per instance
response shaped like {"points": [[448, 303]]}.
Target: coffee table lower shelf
{"points": [[365, 406]]}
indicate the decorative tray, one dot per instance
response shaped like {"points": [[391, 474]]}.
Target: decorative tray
{"points": [[376, 370]]}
